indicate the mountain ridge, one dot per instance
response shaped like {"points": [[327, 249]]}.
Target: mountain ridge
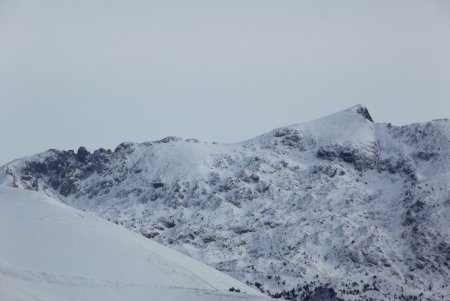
{"points": [[340, 203]]}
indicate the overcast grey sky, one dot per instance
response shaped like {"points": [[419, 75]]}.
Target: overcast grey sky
{"points": [[97, 72]]}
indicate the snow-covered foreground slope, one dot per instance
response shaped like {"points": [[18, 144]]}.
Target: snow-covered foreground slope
{"points": [[49, 251], [340, 205]]}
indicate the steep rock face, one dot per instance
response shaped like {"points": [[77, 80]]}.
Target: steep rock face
{"points": [[341, 206]]}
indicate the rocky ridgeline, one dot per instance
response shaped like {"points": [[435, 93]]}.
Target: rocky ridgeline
{"points": [[340, 208]]}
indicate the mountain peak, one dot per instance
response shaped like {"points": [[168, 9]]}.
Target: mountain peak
{"points": [[362, 110]]}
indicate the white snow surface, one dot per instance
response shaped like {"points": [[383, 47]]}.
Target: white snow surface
{"points": [[341, 202], [50, 251]]}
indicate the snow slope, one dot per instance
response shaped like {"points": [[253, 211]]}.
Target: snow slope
{"points": [[339, 206], [49, 251]]}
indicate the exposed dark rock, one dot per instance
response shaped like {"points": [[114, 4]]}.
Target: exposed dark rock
{"points": [[124, 146], [168, 139], [68, 187], [82, 154], [323, 294], [364, 112], [418, 206], [157, 184], [347, 155], [282, 132], [326, 154], [169, 223], [425, 156], [37, 167], [150, 235], [192, 140], [290, 137]]}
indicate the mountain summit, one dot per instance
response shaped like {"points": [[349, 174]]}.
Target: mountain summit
{"points": [[363, 112], [340, 207]]}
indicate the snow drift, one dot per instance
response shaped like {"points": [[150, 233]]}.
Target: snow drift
{"points": [[49, 251]]}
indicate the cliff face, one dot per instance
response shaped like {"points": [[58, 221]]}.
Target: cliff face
{"points": [[341, 206]]}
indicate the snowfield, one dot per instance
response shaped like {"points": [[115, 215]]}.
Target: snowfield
{"points": [[337, 208], [49, 251]]}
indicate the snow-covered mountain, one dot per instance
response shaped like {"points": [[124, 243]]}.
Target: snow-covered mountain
{"points": [[341, 206], [49, 251]]}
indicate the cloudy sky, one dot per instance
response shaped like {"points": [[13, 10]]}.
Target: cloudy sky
{"points": [[97, 72]]}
